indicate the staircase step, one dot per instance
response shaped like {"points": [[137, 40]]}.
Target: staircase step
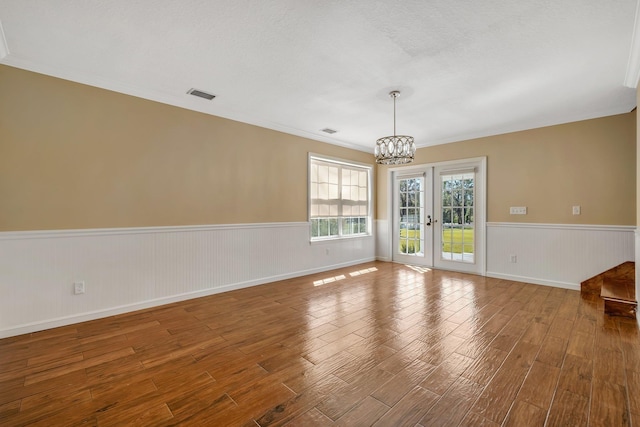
{"points": [[592, 285], [619, 291]]}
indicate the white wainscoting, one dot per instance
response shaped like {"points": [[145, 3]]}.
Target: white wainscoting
{"points": [[561, 255], [637, 259], [134, 268], [383, 247]]}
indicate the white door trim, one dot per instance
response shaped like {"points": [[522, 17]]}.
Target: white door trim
{"points": [[481, 229]]}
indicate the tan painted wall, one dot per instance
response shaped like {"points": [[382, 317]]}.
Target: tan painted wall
{"points": [[548, 170], [73, 156]]}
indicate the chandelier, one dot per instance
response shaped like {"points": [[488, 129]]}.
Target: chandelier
{"points": [[396, 149]]}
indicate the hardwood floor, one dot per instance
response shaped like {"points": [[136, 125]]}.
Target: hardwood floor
{"points": [[376, 344]]}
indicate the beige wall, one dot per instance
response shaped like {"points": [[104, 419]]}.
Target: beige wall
{"points": [[74, 156], [548, 170]]}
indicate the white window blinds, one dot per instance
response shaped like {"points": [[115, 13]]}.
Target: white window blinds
{"points": [[339, 202]]}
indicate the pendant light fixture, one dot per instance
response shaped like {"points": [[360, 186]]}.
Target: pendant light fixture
{"points": [[396, 149]]}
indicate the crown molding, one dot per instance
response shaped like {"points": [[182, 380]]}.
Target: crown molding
{"points": [[633, 66]]}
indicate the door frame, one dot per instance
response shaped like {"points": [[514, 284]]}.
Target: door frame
{"points": [[480, 209]]}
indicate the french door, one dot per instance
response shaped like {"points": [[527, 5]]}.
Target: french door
{"points": [[438, 215], [412, 234]]}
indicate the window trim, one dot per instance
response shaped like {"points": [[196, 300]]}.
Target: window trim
{"points": [[369, 169]]}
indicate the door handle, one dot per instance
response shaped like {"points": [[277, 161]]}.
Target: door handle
{"points": [[428, 220]]}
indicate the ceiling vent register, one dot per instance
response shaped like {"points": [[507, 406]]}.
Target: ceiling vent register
{"points": [[201, 94]]}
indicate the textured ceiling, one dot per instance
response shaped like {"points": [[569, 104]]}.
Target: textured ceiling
{"points": [[465, 68]]}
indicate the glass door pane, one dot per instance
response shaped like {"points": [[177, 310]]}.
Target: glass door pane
{"points": [[411, 214], [457, 192]]}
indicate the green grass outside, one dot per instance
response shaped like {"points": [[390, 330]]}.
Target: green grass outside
{"points": [[414, 245], [451, 241]]}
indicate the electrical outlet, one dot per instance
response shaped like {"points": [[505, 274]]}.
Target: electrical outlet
{"points": [[576, 210], [513, 259], [78, 288], [518, 210]]}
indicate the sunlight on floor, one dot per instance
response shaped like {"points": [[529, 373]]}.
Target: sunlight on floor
{"points": [[418, 268], [365, 271], [342, 276], [329, 280]]}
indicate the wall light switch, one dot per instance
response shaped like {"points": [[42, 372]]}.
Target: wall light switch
{"points": [[576, 210], [518, 210]]}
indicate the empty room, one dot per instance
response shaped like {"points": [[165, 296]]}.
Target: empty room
{"points": [[245, 213]]}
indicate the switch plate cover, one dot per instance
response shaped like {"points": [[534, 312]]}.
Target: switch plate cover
{"points": [[518, 210]]}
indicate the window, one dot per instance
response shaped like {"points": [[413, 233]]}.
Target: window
{"points": [[339, 198]]}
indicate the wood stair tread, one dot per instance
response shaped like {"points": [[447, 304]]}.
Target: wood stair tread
{"points": [[619, 291], [617, 287], [619, 284]]}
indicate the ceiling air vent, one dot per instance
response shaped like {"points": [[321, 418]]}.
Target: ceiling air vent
{"points": [[329, 131], [201, 94]]}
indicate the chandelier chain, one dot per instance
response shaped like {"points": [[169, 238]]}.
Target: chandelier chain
{"points": [[394, 94]]}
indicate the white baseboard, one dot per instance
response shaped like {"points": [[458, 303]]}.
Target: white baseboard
{"points": [[534, 280]]}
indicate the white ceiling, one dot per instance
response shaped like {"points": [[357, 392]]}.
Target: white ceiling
{"points": [[465, 68]]}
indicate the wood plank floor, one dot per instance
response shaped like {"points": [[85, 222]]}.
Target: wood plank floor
{"points": [[376, 344]]}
